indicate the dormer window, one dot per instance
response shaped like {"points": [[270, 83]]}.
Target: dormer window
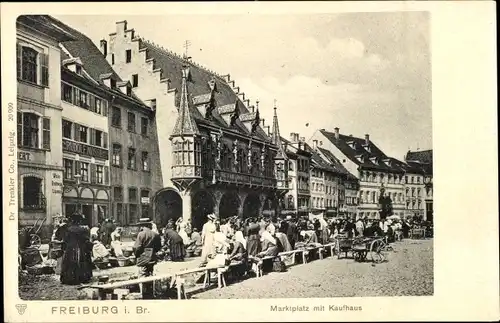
{"points": [[129, 91], [113, 84], [78, 69]]}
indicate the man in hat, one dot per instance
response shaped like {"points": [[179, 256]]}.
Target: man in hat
{"points": [[147, 244], [207, 237]]}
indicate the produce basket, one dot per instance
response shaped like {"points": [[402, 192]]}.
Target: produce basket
{"points": [[122, 262], [127, 252], [101, 264]]}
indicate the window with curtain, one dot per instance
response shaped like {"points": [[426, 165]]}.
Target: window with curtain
{"points": [[131, 159], [84, 171]]}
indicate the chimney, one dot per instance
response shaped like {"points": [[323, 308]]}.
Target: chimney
{"points": [[268, 128], [263, 123], [292, 137], [302, 139], [104, 47], [315, 144], [367, 139], [337, 134]]}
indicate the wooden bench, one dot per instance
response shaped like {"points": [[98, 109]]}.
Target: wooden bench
{"points": [[309, 250], [302, 252], [117, 288], [330, 246], [207, 271]]}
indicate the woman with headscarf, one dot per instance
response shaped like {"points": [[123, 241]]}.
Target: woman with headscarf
{"points": [[116, 244], [182, 232], [207, 237], [174, 243], [76, 267]]}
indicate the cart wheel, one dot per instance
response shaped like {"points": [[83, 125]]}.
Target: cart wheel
{"points": [[35, 241]]}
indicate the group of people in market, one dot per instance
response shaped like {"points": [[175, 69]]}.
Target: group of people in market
{"points": [[220, 241]]}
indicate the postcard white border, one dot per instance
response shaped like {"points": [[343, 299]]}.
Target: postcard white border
{"points": [[465, 172]]}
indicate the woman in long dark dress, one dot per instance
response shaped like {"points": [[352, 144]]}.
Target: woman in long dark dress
{"points": [[174, 243], [76, 267], [253, 239]]}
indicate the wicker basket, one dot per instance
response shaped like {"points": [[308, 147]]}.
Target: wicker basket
{"points": [[127, 253], [122, 262], [101, 264]]}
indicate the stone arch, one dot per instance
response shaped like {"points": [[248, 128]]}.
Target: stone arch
{"points": [[70, 192], [229, 205], [87, 193], [102, 195], [251, 206], [167, 204], [202, 204]]}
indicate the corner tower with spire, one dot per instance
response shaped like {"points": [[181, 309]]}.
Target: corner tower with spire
{"points": [[186, 148], [280, 163]]}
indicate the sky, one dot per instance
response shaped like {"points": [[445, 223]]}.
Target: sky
{"points": [[365, 73]]}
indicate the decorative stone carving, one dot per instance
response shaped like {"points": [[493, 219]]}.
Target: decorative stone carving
{"points": [[249, 157], [235, 152], [263, 160]]}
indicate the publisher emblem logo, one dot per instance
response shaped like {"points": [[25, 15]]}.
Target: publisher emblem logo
{"points": [[21, 308]]}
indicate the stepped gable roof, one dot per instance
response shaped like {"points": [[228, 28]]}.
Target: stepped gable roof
{"points": [[422, 156], [171, 66], [353, 147], [336, 164]]}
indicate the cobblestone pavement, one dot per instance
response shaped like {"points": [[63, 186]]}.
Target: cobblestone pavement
{"points": [[408, 272], [48, 287]]}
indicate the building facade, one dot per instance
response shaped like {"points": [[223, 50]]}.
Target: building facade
{"points": [[39, 120], [419, 187], [345, 185], [213, 155], [127, 157], [85, 144], [298, 198], [373, 169]]}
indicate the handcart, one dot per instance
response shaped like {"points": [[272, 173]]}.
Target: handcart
{"points": [[373, 246]]}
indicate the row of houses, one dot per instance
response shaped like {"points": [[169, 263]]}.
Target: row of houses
{"points": [[128, 129]]}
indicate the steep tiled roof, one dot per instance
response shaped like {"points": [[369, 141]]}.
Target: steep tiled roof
{"points": [[422, 156], [319, 162], [185, 124], [276, 137], [420, 161], [336, 164], [94, 62], [171, 66], [48, 25], [354, 148]]}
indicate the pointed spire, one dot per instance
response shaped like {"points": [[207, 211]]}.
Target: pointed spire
{"points": [[185, 124], [276, 137]]}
